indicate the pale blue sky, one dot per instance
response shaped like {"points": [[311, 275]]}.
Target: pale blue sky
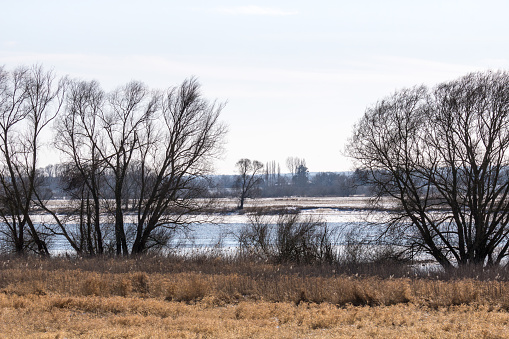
{"points": [[297, 75]]}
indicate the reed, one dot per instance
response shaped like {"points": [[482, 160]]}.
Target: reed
{"points": [[165, 297]]}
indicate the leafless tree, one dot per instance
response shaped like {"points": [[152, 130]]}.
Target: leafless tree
{"points": [[137, 151], [293, 164], [129, 107], [99, 134], [248, 179], [174, 159], [131, 149], [78, 138], [443, 155], [30, 99], [271, 178]]}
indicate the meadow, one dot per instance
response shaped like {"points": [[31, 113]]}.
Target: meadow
{"points": [[206, 296]]}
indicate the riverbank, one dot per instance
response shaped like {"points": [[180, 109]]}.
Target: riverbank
{"points": [[223, 205]]}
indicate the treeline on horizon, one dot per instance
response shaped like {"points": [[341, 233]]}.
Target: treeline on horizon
{"points": [[272, 184]]}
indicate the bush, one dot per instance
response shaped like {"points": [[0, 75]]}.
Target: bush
{"points": [[287, 237]]}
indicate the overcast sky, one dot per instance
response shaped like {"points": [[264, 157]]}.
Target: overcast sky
{"points": [[297, 75]]}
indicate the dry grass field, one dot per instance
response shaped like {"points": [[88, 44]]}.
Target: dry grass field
{"points": [[155, 297]]}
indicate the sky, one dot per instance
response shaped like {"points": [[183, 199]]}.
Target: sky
{"points": [[296, 75]]}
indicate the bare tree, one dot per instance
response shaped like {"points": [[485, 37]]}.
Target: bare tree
{"points": [[129, 107], [139, 151], [30, 99], [78, 135], [443, 155], [293, 164], [174, 159], [270, 174], [99, 134], [248, 179], [132, 149]]}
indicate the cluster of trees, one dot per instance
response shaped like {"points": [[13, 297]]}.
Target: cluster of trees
{"points": [[256, 180], [260, 183], [443, 155], [134, 159]]}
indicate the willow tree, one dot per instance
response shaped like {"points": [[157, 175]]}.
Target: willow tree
{"points": [[248, 180], [139, 158], [30, 98], [78, 132], [174, 157], [443, 156]]}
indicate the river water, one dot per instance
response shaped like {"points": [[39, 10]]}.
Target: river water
{"points": [[224, 231]]}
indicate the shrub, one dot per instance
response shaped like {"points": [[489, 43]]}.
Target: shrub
{"points": [[287, 237]]}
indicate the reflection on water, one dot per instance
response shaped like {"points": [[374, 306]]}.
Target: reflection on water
{"points": [[224, 234], [209, 235]]}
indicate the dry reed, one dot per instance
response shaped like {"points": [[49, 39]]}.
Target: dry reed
{"points": [[105, 297]]}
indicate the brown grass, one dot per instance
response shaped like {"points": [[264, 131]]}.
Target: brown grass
{"points": [[69, 298]]}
